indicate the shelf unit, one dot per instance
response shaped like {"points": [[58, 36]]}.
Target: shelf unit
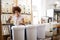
{"points": [[55, 14], [7, 5]]}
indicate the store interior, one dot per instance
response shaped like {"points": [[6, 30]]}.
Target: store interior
{"points": [[41, 20]]}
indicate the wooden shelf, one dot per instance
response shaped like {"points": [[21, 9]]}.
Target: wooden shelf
{"points": [[6, 13], [21, 13], [6, 24]]}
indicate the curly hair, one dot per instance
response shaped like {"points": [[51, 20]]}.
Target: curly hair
{"points": [[16, 9]]}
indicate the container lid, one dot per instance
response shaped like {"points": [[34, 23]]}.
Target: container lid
{"points": [[18, 27]]}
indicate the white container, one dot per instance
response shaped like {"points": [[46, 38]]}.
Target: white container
{"points": [[31, 32], [41, 31], [18, 32]]}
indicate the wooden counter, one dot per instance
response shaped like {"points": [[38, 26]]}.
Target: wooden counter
{"points": [[58, 26]]}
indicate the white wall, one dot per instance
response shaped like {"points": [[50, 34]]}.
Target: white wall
{"points": [[38, 10], [50, 3]]}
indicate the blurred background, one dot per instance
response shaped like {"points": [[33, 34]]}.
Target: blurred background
{"points": [[34, 12]]}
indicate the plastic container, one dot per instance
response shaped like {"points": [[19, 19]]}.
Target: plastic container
{"points": [[31, 32], [18, 32], [41, 31]]}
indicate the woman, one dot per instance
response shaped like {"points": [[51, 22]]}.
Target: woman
{"points": [[16, 19]]}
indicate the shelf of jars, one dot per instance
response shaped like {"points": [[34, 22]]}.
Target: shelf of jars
{"points": [[25, 5], [5, 16], [7, 6]]}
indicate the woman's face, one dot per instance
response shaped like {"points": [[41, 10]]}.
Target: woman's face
{"points": [[17, 13]]}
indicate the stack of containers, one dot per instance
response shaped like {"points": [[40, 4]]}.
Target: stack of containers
{"points": [[41, 31], [18, 32], [31, 32]]}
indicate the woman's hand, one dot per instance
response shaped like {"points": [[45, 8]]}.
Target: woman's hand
{"points": [[22, 22]]}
